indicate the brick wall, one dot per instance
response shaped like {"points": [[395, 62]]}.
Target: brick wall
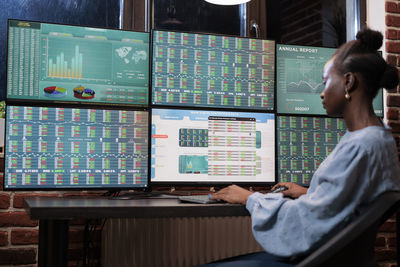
{"points": [[301, 22], [386, 239], [19, 235]]}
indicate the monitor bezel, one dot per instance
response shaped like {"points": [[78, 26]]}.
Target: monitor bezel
{"points": [[79, 188], [18, 101]]}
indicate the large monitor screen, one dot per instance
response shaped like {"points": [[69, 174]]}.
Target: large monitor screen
{"points": [[212, 71], [49, 148], [299, 80], [52, 62], [303, 143], [206, 147]]}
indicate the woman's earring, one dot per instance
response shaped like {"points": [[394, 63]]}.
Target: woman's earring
{"points": [[347, 95]]}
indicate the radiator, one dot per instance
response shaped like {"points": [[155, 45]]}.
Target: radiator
{"points": [[175, 241]]}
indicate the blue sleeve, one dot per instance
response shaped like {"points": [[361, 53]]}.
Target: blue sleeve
{"points": [[287, 227]]}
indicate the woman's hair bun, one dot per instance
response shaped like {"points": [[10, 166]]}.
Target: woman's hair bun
{"points": [[370, 39], [390, 77]]}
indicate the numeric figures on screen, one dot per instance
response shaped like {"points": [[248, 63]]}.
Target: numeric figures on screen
{"points": [[303, 143], [67, 148], [48, 62], [212, 146], [212, 71]]}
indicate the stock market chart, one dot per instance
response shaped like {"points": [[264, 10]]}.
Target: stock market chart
{"points": [[212, 71], [68, 147], [52, 62], [303, 143]]}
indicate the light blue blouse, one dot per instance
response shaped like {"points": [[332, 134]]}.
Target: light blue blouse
{"points": [[362, 166]]}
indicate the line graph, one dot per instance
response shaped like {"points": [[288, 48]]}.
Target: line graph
{"points": [[304, 76]]}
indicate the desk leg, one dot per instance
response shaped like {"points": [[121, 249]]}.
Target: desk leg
{"points": [[53, 243]]}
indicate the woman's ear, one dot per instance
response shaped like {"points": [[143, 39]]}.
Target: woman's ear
{"points": [[350, 80]]}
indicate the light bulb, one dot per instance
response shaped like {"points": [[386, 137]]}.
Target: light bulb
{"points": [[227, 2]]}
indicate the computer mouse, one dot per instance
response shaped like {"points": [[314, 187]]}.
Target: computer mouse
{"points": [[279, 189]]}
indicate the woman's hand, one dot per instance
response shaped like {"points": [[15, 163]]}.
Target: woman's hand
{"points": [[293, 190], [233, 194]]}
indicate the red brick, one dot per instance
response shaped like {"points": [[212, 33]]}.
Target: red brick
{"points": [[391, 7], [392, 59], [380, 241], [18, 218], [24, 237], [395, 126], [393, 100], [393, 114], [4, 201], [18, 201], [388, 227], [391, 34], [391, 241], [3, 238], [393, 218], [385, 254], [392, 20], [393, 47], [17, 256]]}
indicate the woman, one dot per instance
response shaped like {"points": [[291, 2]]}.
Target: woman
{"points": [[362, 166]]}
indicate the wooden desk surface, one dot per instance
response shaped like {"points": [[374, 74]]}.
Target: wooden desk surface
{"points": [[63, 208]]}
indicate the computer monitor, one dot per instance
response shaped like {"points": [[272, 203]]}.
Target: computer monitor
{"points": [[212, 147], [299, 80], [303, 142], [50, 148], [202, 70], [61, 63]]}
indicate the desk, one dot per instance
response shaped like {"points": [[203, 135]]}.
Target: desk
{"points": [[54, 215]]}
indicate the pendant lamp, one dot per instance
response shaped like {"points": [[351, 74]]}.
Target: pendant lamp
{"points": [[227, 2]]}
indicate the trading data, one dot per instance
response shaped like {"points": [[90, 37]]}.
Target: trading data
{"points": [[212, 71], [66, 147], [303, 143], [51, 62], [212, 146]]}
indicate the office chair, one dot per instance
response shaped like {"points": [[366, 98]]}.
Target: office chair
{"points": [[354, 245]]}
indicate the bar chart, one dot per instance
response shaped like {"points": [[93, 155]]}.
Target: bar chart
{"points": [[72, 59], [60, 68]]}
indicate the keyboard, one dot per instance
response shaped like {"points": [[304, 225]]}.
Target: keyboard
{"points": [[203, 199]]}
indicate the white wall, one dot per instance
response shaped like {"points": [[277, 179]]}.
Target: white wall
{"points": [[376, 21], [376, 17]]}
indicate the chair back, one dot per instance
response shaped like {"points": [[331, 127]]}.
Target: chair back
{"points": [[354, 245]]}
